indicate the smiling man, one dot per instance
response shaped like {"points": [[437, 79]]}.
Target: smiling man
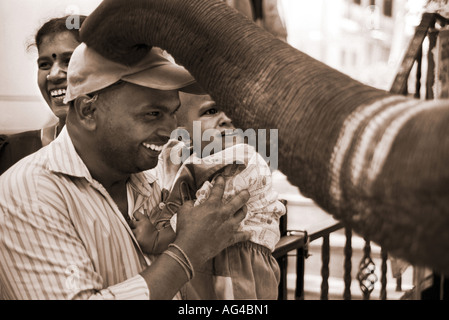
{"points": [[65, 210]]}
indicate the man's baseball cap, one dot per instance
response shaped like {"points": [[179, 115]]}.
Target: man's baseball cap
{"points": [[89, 72]]}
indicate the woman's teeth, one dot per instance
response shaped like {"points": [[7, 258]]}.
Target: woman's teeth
{"points": [[153, 147], [58, 93]]}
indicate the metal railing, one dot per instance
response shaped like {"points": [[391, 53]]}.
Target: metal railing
{"points": [[295, 243], [366, 275]]}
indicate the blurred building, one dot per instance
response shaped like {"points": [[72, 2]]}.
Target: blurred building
{"points": [[365, 39]]}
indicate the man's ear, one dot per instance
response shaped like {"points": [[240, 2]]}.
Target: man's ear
{"points": [[85, 110]]}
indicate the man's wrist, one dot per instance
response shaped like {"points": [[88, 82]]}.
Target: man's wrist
{"points": [[178, 254], [195, 256]]}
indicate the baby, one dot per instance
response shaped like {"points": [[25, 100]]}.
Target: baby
{"points": [[245, 270]]}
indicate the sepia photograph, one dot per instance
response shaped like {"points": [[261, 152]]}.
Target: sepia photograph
{"points": [[247, 152]]}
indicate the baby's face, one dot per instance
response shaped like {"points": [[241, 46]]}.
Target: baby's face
{"points": [[203, 109]]}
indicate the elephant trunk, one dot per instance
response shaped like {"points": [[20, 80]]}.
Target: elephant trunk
{"points": [[376, 161]]}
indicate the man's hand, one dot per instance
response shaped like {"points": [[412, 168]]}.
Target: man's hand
{"points": [[202, 233], [207, 229]]}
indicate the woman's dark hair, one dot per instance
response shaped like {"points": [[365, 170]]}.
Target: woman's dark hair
{"points": [[57, 25]]}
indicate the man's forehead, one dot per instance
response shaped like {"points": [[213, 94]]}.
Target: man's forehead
{"points": [[135, 97]]}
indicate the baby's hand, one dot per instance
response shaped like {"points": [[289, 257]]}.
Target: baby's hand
{"points": [[145, 232]]}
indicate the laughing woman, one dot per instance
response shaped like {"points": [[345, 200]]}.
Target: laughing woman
{"points": [[55, 43]]}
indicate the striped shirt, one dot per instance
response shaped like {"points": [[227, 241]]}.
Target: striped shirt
{"points": [[61, 234]]}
